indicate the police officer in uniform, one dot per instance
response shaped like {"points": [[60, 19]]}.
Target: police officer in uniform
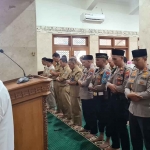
{"points": [[55, 74], [118, 102], [138, 91], [86, 95], [64, 89], [74, 76], [98, 86]]}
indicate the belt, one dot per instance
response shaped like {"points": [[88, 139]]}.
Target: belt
{"points": [[98, 93]]}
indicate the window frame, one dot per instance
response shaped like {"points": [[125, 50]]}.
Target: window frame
{"points": [[70, 47], [126, 47]]}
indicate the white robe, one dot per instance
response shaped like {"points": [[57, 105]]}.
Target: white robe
{"points": [[6, 120]]}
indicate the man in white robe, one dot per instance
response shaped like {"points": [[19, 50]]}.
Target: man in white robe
{"points": [[6, 120]]}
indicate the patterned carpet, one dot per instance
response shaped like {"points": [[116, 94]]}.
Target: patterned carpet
{"points": [[62, 137]]}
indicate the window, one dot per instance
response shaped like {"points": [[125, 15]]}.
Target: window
{"points": [[79, 41], [61, 41], [71, 45], [106, 44], [120, 42]]}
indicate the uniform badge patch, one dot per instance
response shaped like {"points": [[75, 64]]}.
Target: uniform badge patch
{"points": [[127, 73], [105, 77], [141, 82], [91, 71]]}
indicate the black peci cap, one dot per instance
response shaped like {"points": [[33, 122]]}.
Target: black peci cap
{"points": [[118, 52], [139, 53], [101, 55], [87, 57]]}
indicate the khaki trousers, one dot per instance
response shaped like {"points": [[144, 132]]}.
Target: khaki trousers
{"points": [[51, 97], [65, 101], [76, 110], [57, 93]]}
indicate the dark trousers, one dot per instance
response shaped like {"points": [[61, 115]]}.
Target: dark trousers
{"points": [[120, 134], [140, 131], [117, 122], [102, 113], [88, 108]]}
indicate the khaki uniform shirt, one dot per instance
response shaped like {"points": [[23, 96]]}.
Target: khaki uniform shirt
{"points": [[45, 70], [99, 80], [75, 75], [85, 79], [139, 82], [64, 75], [57, 69], [120, 78], [49, 69]]}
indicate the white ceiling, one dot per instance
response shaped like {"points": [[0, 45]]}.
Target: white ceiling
{"points": [[120, 2], [131, 5]]}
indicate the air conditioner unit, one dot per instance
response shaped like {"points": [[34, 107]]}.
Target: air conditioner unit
{"points": [[93, 17]]}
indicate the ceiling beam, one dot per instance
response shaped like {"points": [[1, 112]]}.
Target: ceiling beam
{"points": [[134, 7], [90, 4], [134, 11]]}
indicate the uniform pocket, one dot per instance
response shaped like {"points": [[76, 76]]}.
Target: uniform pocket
{"points": [[142, 85], [142, 82]]}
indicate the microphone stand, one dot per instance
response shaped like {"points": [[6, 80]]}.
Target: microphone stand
{"points": [[27, 79]]}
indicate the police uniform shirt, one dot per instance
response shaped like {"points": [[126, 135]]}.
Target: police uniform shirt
{"points": [[113, 69], [85, 81], [120, 78], [75, 75], [139, 82], [100, 79]]}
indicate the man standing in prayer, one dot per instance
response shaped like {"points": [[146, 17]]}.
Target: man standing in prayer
{"points": [[100, 95], [75, 75], [55, 74], [138, 91], [118, 102], [51, 97], [64, 88], [86, 95]]}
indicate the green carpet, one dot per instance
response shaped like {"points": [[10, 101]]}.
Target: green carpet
{"points": [[62, 137]]}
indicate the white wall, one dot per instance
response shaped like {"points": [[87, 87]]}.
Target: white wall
{"points": [[66, 13], [18, 39]]}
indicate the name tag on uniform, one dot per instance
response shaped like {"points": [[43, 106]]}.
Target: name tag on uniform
{"points": [[95, 93], [100, 93]]}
